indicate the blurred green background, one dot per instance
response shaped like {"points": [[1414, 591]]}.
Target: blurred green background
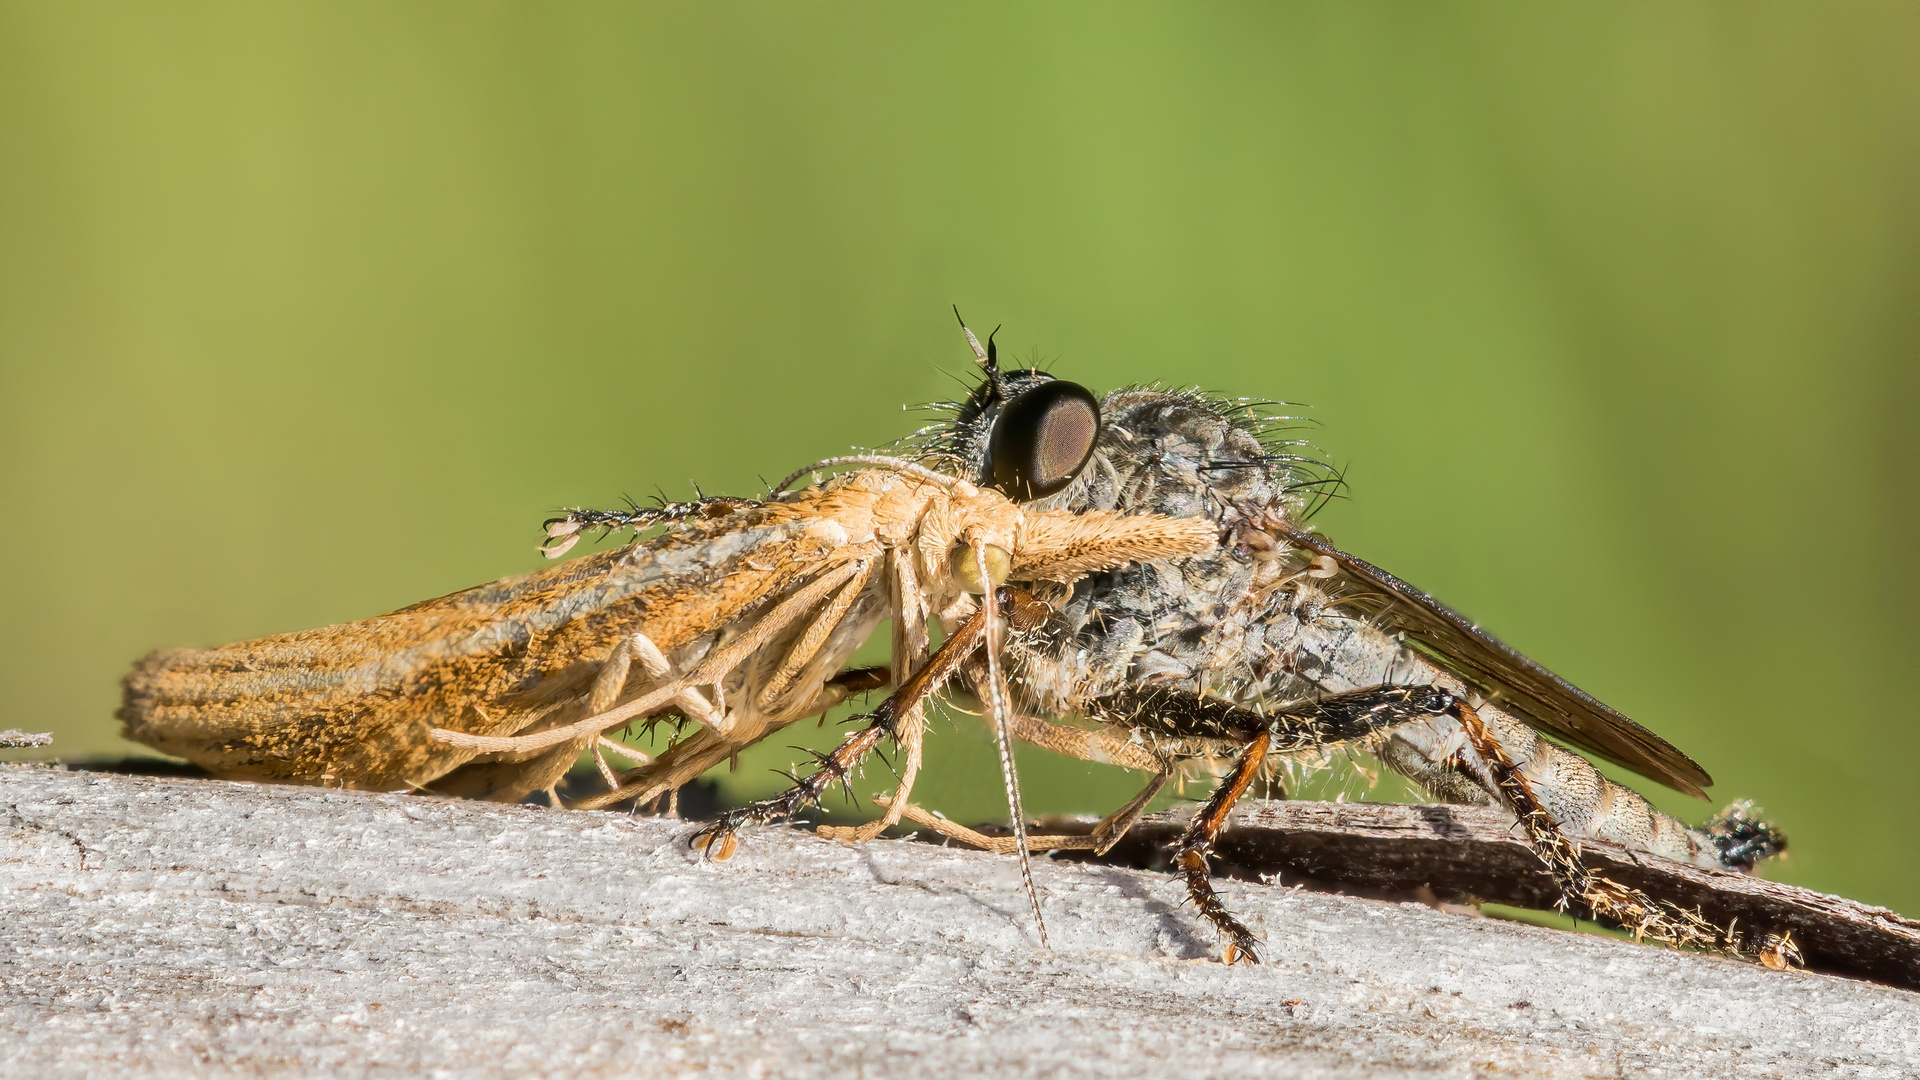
{"points": [[308, 311]]}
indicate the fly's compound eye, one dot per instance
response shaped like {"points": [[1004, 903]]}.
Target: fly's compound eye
{"points": [[1042, 439]]}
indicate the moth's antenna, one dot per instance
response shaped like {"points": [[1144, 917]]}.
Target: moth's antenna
{"points": [[988, 358], [1003, 736]]}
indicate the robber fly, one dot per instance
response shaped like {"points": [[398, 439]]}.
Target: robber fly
{"points": [[1277, 643]]}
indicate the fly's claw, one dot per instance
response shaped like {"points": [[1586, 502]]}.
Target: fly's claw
{"points": [[1778, 952], [718, 842]]}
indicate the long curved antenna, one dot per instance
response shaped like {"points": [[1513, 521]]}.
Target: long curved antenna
{"points": [[900, 465], [1003, 736]]}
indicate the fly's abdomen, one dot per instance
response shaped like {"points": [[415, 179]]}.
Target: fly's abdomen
{"points": [[1332, 653]]}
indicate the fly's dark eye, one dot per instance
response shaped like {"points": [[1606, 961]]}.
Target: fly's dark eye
{"points": [[1042, 439]]}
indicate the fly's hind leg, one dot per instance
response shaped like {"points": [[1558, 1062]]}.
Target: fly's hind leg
{"points": [[1607, 900]]}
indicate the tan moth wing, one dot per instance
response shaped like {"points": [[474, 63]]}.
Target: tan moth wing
{"points": [[352, 705], [1518, 684]]}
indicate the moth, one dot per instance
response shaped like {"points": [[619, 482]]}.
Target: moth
{"points": [[739, 616]]}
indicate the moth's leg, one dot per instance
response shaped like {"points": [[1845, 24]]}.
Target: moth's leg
{"points": [[685, 761], [719, 839], [910, 650], [811, 641], [510, 780], [1191, 856], [999, 845], [1075, 742], [1104, 749], [692, 704], [1095, 746], [711, 671]]}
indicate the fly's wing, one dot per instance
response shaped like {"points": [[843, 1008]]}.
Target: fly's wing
{"points": [[1519, 685]]}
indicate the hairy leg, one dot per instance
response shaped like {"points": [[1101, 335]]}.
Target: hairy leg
{"points": [[719, 839]]}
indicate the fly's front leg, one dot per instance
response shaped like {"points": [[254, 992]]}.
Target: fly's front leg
{"points": [[1334, 719], [719, 840]]}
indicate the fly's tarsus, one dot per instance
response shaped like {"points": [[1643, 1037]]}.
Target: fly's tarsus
{"points": [[1191, 856]]}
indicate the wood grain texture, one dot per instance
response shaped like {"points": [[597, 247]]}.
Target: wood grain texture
{"points": [[1467, 854], [159, 926]]}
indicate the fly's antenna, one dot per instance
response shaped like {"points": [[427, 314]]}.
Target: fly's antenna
{"points": [[988, 358], [1003, 735], [900, 465]]}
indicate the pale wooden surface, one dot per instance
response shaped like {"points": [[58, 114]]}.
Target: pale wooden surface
{"points": [[164, 926]]}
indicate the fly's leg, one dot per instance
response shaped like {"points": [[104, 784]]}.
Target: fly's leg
{"points": [[1191, 856], [1607, 900], [1336, 718], [719, 840], [1583, 803]]}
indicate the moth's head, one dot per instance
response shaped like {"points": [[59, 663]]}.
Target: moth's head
{"points": [[1023, 433]]}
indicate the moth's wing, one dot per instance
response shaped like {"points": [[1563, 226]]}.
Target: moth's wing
{"points": [[1516, 683], [351, 704]]}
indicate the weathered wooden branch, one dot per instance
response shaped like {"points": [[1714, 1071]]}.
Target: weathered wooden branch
{"points": [[1471, 854], [13, 738], [173, 926]]}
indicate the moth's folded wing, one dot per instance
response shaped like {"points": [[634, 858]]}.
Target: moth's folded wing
{"points": [[1518, 684]]}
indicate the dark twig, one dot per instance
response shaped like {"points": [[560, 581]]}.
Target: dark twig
{"points": [[1469, 854]]}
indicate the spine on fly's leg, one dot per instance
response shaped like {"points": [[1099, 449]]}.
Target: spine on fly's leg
{"points": [[1582, 802]]}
